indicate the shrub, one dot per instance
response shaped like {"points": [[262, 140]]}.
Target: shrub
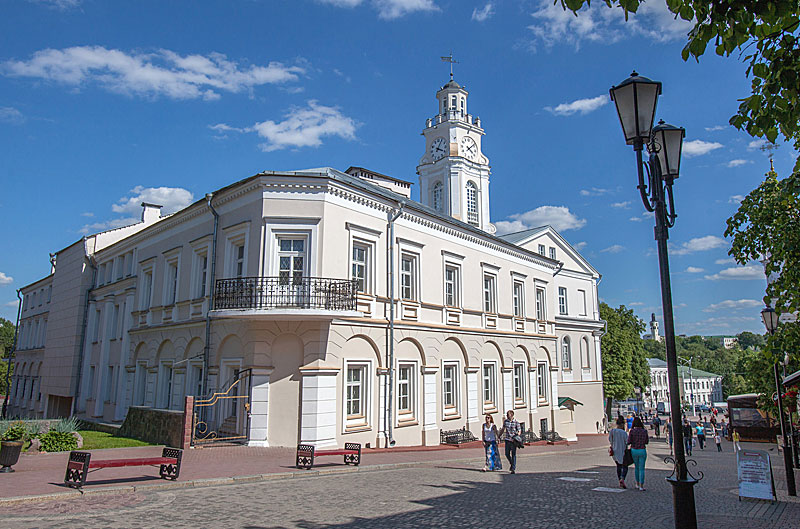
{"points": [[67, 425], [17, 431], [54, 441]]}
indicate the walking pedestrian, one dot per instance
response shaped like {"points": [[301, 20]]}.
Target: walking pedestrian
{"points": [[489, 435], [629, 421], [701, 436], [618, 441], [510, 429], [657, 426], [718, 440], [736, 446], [638, 440], [669, 435], [688, 434]]}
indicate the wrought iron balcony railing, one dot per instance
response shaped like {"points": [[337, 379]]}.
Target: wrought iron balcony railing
{"points": [[285, 292]]}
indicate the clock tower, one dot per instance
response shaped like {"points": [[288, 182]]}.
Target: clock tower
{"points": [[453, 172]]}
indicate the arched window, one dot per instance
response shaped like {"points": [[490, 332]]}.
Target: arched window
{"points": [[472, 203], [585, 363], [438, 195], [567, 353]]}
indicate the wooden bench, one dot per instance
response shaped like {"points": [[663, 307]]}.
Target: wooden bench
{"points": [[80, 464], [307, 453]]}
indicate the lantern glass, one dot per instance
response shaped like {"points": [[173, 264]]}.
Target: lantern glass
{"points": [[669, 142], [770, 319], [635, 99]]}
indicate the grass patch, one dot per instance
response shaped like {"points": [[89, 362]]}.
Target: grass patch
{"points": [[93, 440]]}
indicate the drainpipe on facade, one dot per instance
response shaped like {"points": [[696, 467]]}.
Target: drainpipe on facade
{"points": [[82, 347], [8, 354], [393, 215], [207, 347]]}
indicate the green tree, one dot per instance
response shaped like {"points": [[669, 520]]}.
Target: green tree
{"points": [[618, 346], [6, 345], [747, 340]]}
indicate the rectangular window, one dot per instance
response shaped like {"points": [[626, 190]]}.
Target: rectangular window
{"points": [[121, 328], [405, 392], [451, 286], [101, 271], [90, 387], [408, 277], [238, 260], [115, 323], [562, 300], [552, 253], [355, 393], [519, 299], [196, 385], [171, 283], [165, 389], [119, 263], [201, 281], [543, 426], [489, 386], [541, 249], [147, 289], [96, 332], [582, 301], [49, 293], [109, 384], [489, 294], [450, 388], [141, 385], [360, 267], [519, 383], [541, 306], [541, 381]]}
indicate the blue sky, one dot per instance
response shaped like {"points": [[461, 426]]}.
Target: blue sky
{"points": [[104, 104]]}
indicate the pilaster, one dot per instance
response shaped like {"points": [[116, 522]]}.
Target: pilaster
{"points": [[259, 407], [430, 429], [318, 406]]}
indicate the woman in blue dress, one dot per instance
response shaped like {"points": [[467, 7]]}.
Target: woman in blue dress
{"points": [[489, 436]]}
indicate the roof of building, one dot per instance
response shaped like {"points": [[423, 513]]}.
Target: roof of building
{"points": [[683, 372], [563, 401], [392, 178], [656, 362], [452, 84], [518, 236]]}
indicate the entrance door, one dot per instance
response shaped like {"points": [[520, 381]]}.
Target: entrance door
{"points": [[292, 290]]}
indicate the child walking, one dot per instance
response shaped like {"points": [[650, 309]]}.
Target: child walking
{"points": [[718, 440]]}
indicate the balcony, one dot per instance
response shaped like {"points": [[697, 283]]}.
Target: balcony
{"points": [[284, 298]]}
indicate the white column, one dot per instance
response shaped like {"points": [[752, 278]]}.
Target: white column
{"points": [[598, 362], [430, 429], [508, 390], [85, 390], [318, 408], [533, 398], [124, 381], [259, 407], [101, 372], [472, 396], [554, 415]]}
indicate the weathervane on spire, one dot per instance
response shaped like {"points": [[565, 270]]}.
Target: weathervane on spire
{"points": [[452, 61], [769, 148]]}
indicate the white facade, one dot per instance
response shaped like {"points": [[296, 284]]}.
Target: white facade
{"points": [[482, 323], [698, 387]]}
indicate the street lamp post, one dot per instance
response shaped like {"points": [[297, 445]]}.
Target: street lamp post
{"points": [[770, 318], [635, 100]]}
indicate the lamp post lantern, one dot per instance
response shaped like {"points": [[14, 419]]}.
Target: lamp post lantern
{"points": [[636, 98], [771, 319]]}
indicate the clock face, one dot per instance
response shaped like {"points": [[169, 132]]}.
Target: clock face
{"points": [[469, 149], [439, 148]]}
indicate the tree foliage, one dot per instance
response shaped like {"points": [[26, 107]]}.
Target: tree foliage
{"points": [[6, 344], [620, 347]]}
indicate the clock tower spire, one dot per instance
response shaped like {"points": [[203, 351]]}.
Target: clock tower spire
{"points": [[453, 172]]}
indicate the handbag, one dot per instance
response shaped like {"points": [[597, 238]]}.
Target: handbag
{"points": [[610, 451], [627, 459], [517, 440]]}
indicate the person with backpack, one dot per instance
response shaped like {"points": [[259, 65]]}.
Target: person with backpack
{"points": [[512, 437]]}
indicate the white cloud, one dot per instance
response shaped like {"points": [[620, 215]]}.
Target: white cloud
{"points": [[598, 24], [621, 205], [700, 147], [582, 106], [699, 244], [715, 128], [735, 199], [730, 261], [733, 304], [11, 304], [593, 192], [391, 9], [5, 280], [87, 214], [342, 3], [614, 248], [130, 206], [580, 245], [635, 304], [302, 127], [161, 73], [11, 115], [61, 5], [481, 15], [694, 269], [738, 162], [751, 271], [756, 144], [636, 219], [559, 217]]}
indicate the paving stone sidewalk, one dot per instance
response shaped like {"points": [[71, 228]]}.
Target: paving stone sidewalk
{"points": [[39, 475]]}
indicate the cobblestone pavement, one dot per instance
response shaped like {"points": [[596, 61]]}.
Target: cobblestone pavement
{"points": [[549, 491]]}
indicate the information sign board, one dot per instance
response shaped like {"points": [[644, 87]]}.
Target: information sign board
{"points": [[755, 475]]}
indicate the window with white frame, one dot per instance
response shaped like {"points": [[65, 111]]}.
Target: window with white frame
{"points": [[452, 285], [101, 272], [585, 361], [408, 276], [356, 394], [541, 249], [196, 380], [147, 288], [582, 301], [360, 266], [489, 293], [165, 386], [472, 204], [562, 300], [129, 263], [552, 253], [541, 305], [121, 328], [519, 383], [566, 353], [171, 282], [292, 260], [115, 322], [119, 263], [140, 376], [405, 392], [238, 260], [519, 299], [438, 196], [236, 250], [450, 389], [109, 388], [90, 387], [541, 380], [96, 332], [200, 262], [489, 371]]}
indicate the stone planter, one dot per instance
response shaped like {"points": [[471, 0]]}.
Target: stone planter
{"points": [[9, 455]]}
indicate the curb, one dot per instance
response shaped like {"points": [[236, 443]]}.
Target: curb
{"points": [[255, 478]]}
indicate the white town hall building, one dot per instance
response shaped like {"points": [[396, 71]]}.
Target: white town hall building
{"points": [[357, 314]]}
